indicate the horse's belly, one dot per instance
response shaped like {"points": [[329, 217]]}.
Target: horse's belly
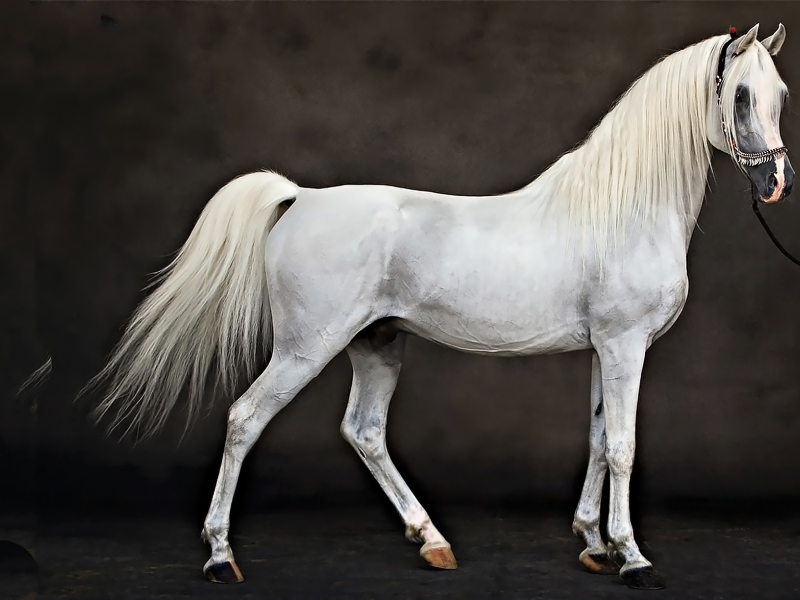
{"points": [[500, 341], [501, 325]]}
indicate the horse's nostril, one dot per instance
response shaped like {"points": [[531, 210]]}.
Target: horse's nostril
{"points": [[772, 183]]}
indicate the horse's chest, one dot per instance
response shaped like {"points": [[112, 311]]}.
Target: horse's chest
{"points": [[650, 304]]}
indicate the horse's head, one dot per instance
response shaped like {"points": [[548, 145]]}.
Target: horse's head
{"points": [[746, 110]]}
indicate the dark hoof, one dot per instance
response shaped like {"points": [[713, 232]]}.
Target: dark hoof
{"points": [[643, 578], [599, 564], [226, 572]]}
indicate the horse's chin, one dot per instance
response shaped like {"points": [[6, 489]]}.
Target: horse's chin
{"points": [[777, 196]]}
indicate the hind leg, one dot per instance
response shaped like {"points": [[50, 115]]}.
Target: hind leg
{"points": [[247, 418], [376, 367]]}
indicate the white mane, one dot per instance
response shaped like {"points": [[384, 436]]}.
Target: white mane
{"points": [[650, 150]]}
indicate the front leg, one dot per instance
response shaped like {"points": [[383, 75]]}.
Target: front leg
{"points": [[587, 516], [621, 362]]}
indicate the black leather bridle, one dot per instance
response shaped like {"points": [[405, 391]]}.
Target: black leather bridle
{"points": [[743, 159]]}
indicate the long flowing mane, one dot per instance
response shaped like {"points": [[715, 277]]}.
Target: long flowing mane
{"points": [[650, 150]]}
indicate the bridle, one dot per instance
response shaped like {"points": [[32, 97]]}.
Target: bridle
{"points": [[749, 159], [741, 159]]}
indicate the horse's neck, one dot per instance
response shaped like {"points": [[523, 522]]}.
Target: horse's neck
{"points": [[694, 206]]}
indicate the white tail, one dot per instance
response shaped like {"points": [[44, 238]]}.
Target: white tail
{"points": [[37, 377], [210, 309]]}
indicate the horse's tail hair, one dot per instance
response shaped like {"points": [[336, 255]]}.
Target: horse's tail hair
{"points": [[36, 378], [209, 311]]}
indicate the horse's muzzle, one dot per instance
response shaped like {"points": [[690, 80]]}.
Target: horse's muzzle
{"points": [[772, 181]]}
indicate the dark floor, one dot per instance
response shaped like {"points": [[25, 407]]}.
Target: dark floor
{"points": [[361, 553]]}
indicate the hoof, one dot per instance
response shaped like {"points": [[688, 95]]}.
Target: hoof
{"points": [[642, 578], [439, 556], [599, 563], [226, 572]]}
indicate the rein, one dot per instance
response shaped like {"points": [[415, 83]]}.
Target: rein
{"points": [[748, 158], [772, 235]]}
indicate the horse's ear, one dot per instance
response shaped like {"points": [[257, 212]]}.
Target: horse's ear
{"points": [[774, 42], [744, 42]]}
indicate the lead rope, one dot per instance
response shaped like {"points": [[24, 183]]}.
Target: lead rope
{"points": [[739, 155], [771, 235]]}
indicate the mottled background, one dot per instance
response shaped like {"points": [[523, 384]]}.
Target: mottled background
{"points": [[116, 131]]}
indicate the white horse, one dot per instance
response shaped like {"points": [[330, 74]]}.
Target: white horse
{"points": [[590, 255]]}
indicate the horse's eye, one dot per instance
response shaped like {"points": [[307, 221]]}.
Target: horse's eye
{"points": [[739, 97]]}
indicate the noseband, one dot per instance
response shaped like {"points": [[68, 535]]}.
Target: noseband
{"points": [[742, 159]]}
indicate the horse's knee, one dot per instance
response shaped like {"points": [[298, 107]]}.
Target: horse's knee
{"points": [[620, 458], [597, 449]]}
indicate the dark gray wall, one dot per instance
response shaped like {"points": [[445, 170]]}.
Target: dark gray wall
{"points": [[118, 135]]}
